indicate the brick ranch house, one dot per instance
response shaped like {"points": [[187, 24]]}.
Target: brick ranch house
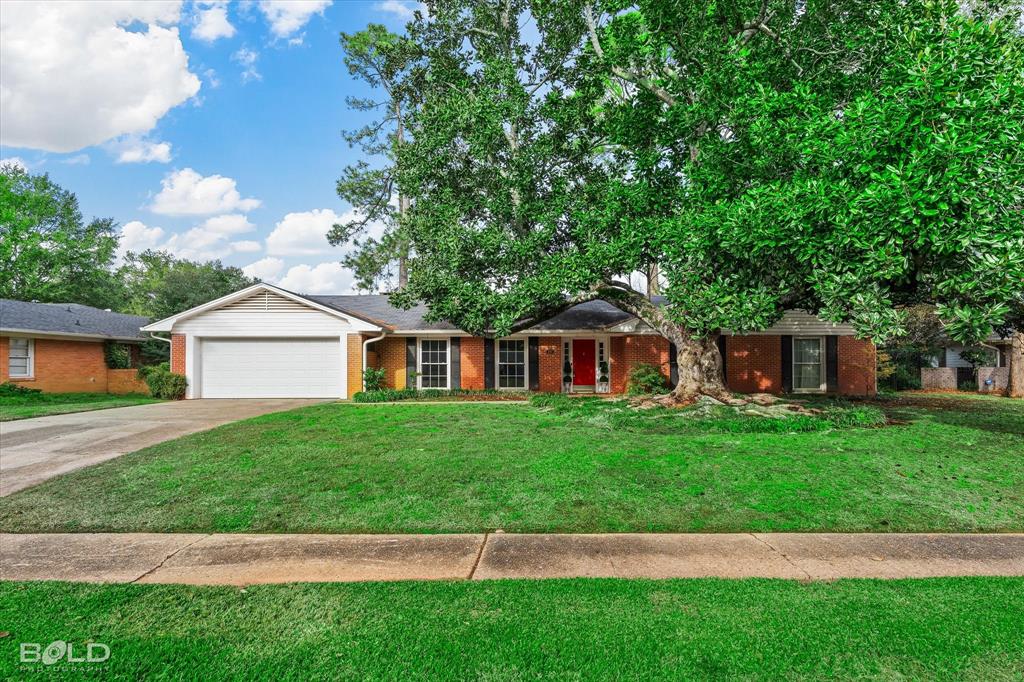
{"points": [[266, 342], [59, 347]]}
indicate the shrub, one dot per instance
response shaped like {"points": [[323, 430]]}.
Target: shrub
{"points": [[373, 378], [8, 389], [162, 382], [391, 395], [117, 355], [645, 379]]}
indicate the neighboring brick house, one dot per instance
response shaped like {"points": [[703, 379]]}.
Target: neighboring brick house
{"points": [[264, 341], [59, 347]]}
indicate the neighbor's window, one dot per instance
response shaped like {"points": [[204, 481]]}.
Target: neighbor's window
{"points": [[808, 364], [512, 363], [19, 356], [434, 363]]}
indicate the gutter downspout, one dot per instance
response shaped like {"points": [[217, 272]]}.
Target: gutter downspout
{"points": [[366, 343], [153, 335]]}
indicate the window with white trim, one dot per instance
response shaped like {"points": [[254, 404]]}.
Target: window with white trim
{"points": [[512, 363], [433, 363], [808, 364], [19, 358]]}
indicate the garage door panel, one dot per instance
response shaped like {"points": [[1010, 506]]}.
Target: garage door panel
{"points": [[270, 368]]}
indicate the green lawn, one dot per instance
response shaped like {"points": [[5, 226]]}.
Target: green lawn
{"points": [[41, 404], [965, 628], [952, 464]]}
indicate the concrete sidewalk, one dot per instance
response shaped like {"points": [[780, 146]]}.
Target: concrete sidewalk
{"points": [[234, 559]]}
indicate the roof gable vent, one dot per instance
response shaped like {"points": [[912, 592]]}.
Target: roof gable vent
{"points": [[264, 301]]}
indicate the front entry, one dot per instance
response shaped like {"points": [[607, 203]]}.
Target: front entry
{"points": [[584, 363]]}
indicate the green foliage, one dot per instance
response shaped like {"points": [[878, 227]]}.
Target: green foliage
{"points": [[47, 252], [160, 285], [373, 379], [117, 355], [978, 356], [162, 382], [848, 160], [383, 60], [645, 379], [10, 389], [392, 395]]}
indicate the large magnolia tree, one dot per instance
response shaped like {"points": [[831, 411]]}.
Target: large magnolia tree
{"points": [[839, 156]]}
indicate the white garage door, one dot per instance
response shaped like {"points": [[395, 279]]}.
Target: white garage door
{"points": [[270, 368]]}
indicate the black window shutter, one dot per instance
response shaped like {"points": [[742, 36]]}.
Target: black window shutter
{"points": [[534, 362], [832, 364], [787, 363], [673, 364], [488, 363], [410, 362], [455, 353]]}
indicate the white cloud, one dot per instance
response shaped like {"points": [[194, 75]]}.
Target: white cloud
{"points": [[232, 223], [211, 78], [402, 10], [77, 160], [287, 17], [135, 149], [325, 278], [267, 269], [247, 58], [211, 21], [75, 74], [247, 246], [137, 237], [15, 161], [302, 234], [186, 192]]}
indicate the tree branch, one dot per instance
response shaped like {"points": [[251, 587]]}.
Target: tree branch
{"points": [[626, 74]]}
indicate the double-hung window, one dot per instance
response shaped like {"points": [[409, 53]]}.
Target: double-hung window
{"points": [[19, 358], [434, 363], [808, 364], [512, 363]]}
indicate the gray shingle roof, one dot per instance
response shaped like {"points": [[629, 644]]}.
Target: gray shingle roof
{"points": [[590, 316], [378, 309], [69, 318]]}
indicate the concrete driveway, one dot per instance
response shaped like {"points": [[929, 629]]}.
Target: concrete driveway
{"points": [[34, 450]]}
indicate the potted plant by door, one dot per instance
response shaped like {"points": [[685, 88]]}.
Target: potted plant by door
{"points": [[602, 379], [567, 377]]}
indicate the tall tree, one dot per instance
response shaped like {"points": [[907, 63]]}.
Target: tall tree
{"points": [[48, 252], [384, 61], [764, 155], [160, 286]]}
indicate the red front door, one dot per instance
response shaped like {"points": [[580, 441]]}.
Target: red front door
{"points": [[583, 362]]}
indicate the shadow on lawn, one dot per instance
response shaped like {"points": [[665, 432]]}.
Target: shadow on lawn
{"points": [[996, 415]]}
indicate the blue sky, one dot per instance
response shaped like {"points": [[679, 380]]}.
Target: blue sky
{"points": [[139, 108]]}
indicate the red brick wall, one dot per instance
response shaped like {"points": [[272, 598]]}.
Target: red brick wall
{"points": [[178, 353], [549, 363], [857, 364], [354, 371], [122, 381], [753, 364], [471, 361], [628, 351], [62, 366], [4, 359], [391, 356]]}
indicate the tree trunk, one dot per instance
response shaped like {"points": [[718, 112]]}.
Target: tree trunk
{"points": [[653, 285], [699, 363], [1015, 389]]}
